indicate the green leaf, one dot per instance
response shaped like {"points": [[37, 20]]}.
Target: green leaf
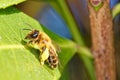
{"points": [[18, 62], [7, 3], [116, 10]]}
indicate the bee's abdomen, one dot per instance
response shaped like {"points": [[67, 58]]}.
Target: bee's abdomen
{"points": [[53, 58], [53, 61]]}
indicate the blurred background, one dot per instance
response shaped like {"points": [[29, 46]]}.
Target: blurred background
{"points": [[50, 18]]}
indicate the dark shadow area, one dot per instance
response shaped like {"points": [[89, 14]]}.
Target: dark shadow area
{"points": [[32, 50], [117, 44], [77, 69], [8, 11]]}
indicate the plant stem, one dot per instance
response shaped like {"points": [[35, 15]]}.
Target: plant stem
{"points": [[102, 41], [70, 22]]}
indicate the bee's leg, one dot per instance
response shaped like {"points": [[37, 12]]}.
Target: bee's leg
{"points": [[41, 62], [36, 41], [30, 41], [43, 49], [48, 61]]}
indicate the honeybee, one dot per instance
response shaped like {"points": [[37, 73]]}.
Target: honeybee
{"points": [[48, 52]]}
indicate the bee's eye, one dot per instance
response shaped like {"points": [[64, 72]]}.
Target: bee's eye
{"points": [[35, 34]]}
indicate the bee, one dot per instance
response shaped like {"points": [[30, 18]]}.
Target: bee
{"points": [[48, 51]]}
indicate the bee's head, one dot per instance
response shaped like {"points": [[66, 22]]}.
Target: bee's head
{"points": [[32, 34]]}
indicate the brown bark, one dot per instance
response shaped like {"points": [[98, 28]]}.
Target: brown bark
{"points": [[102, 41]]}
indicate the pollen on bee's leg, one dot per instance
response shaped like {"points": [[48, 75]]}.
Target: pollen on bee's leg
{"points": [[44, 56], [42, 63], [41, 60]]}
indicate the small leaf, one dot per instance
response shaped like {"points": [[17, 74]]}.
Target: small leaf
{"points": [[7, 3], [116, 10], [18, 62]]}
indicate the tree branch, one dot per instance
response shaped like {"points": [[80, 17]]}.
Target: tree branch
{"points": [[102, 40]]}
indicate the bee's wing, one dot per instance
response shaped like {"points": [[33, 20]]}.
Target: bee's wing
{"points": [[57, 47], [58, 50]]}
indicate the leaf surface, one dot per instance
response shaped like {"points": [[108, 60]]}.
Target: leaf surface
{"points": [[6, 3], [18, 62]]}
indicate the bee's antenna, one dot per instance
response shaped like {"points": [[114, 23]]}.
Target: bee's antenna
{"points": [[27, 29], [29, 26]]}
